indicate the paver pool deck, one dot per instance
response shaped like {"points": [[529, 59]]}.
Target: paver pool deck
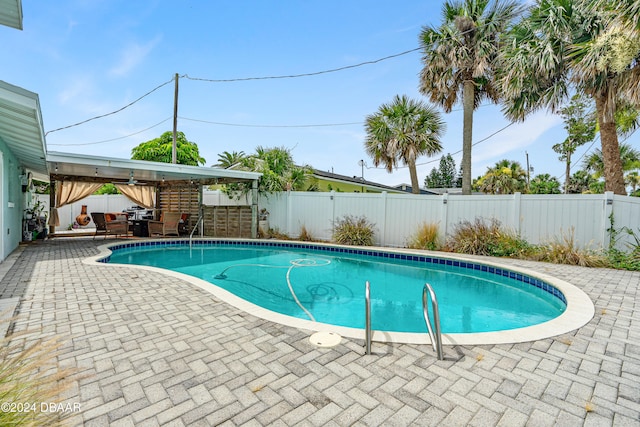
{"points": [[158, 351]]}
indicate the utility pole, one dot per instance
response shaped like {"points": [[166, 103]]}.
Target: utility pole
{"points": [[174, 148]]}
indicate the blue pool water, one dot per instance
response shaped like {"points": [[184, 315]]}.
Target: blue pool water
{"points": [[328, 286]]}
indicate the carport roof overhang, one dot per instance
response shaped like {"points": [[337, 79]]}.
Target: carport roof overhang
{"points": [[11, 13], [21, 127], [81, 167]]}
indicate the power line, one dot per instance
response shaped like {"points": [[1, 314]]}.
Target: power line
{"points": [[315, 73], [116, 139], [113, 112], [375, 61], [289, 126], [271, 126], [457, 152], [333, 70]]}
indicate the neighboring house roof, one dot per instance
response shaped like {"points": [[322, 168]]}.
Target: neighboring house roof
{"points": [[369, 185], [21, 127], [452, 191], [407, 188], [11, 13]]}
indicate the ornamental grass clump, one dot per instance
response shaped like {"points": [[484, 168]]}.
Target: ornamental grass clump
{"points": [[305, 235], [352, 230], [565, 250], [31, 382], [426, 237], [482, 237]]}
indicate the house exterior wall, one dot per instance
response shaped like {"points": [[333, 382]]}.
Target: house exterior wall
{"points": [[327, 185], [12, 200], [324, 184]]}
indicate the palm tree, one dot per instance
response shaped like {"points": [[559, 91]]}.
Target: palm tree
{"points": [[402, 131], [629, 157], [579, 43], [633, 180], [459, 60], [581, 182], [227, 159], [506, 177], [279, 172], [544, 184]]}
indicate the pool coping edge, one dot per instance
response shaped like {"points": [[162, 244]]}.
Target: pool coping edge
{"points": [[580, 309]]}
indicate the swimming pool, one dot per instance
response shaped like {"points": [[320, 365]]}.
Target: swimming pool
{"points": [[324, 285]]}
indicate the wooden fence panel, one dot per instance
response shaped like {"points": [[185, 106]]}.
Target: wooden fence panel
{"points": [[227, 221]]}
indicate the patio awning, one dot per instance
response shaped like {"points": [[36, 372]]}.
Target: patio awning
{"points": [[82, 167], [21, 127]]}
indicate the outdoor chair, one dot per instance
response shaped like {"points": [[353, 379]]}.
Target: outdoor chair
{"points": [[100, 222], [110, 224], [168, 224]]}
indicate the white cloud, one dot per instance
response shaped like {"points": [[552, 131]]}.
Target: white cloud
{"points": [[516, 137], [77, 89], [132, 56]]}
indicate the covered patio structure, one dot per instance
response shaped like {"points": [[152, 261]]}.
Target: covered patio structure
{"points": [[152, 185]]}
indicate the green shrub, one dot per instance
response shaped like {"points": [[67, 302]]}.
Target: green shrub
{"points": [[620, 259], [624, 261], [426, 237], [482, 237], [351, 230]]}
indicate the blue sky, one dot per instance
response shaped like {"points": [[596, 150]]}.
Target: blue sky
{"points": [[87, 58]]}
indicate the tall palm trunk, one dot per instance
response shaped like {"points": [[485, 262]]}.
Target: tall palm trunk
{"points": [[567, 173], [468, 96], [613, 177], [415, 185]]}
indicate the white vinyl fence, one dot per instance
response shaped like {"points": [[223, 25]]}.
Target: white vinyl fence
{"points": [[537, 218]]}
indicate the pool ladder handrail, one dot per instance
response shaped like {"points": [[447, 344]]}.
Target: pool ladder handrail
{"points": [[434, 330], [367, 317], [198, 222]]}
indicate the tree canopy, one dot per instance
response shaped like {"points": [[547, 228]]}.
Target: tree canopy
{"points": [[401, 131], [460, 57], [227, 159], [506, 177], [160, 150], [580, 125], [544, 184], [591, 46], [444, 176], [279, 171]]}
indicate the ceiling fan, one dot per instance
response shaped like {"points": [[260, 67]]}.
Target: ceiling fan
{"points": [[131, 181]]}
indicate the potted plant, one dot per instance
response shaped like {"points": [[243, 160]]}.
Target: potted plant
{"points": [[34, 222]]}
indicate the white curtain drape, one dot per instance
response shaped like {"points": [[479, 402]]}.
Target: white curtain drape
{"points": [[142, 195], [69, 192]]}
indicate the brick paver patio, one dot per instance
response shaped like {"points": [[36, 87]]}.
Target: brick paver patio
{"points": [[159, 351]]}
